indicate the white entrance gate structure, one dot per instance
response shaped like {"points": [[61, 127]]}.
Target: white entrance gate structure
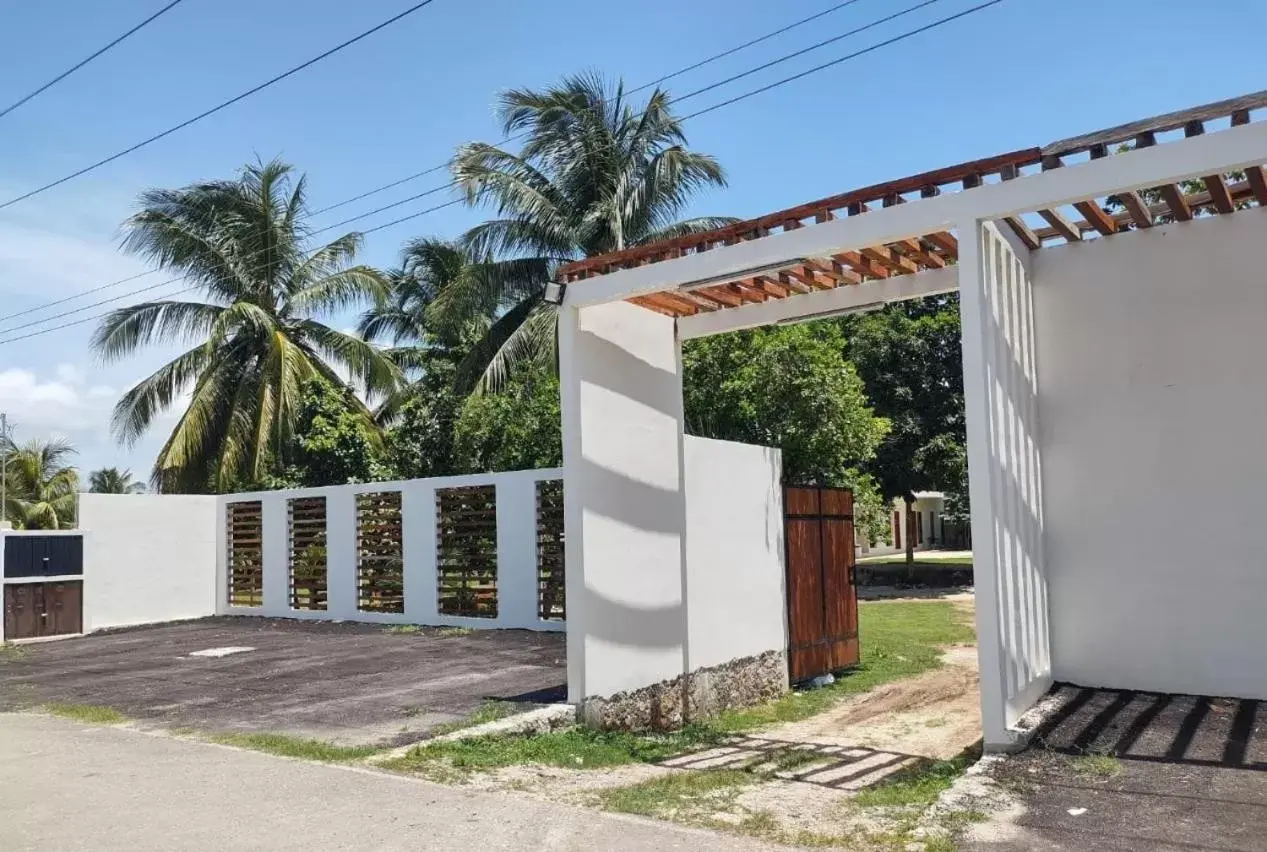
{"points": [[1114, 376]]}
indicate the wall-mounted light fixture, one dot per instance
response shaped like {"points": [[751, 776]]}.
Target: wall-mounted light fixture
{"points": [[554, 293]]}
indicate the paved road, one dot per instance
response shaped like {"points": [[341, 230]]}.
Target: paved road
{"points": [[66, 787]]}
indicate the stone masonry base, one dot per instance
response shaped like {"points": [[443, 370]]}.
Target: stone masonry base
{"points": [[704, 692]]}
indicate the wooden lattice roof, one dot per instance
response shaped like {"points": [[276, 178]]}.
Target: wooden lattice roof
{"points": [[1085, 219]]}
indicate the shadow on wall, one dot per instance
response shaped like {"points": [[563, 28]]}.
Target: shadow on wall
{"points": [[1156, 728]]}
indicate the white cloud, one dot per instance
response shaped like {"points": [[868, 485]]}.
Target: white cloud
{"points": [[46, 263], [58, 404]]}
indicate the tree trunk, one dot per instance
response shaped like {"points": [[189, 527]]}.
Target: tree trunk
{"points": [[910, 537]]}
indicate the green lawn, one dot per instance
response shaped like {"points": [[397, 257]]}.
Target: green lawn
{"points": [[899, 639], [926, 558]]}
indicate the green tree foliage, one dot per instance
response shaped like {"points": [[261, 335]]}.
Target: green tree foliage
{"points": [[243, 244], [788, 387], [334, 444], [594, 173], [41, 486], [515, 429], [909, 357], [111, 480]]}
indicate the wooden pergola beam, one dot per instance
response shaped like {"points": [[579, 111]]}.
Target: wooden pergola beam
{"points": [[1178, 205], [890, 259], [1136, 208], [1096, 216], [861, 265], [1061, 225]]}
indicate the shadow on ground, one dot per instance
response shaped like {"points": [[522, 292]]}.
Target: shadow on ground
{"points": [[1138, 771]]}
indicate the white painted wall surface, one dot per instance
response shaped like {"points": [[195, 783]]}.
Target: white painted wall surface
{"points": [[1153, 387], [147, 558], [1006, 471], [736, 586], [624, 506], [517, 604]]}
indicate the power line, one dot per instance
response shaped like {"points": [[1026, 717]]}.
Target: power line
{"points": [[223, 105], [673, 101], [846, 58], [679, 72], [683, 70], [72, 69], [824, 66]]}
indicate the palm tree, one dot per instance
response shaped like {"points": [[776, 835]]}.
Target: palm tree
{"points": [[111, 480], [244, 245], [418, 346], [594, 175], [41, 487]]}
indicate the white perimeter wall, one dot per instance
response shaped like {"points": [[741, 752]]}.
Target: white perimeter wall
{"points": [[147, 558], [736, 585], [517, 590], [1153, 388], [624, 506], [1006, 469]]}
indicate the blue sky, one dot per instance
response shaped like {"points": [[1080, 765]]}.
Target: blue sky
{"points": [[1018, 74]]}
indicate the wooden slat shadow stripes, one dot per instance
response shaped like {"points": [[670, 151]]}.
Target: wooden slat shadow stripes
{"points": [[846, 767], [1155, 728]]}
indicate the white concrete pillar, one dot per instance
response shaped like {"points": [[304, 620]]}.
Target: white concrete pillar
{"points": [[624, 504], [276, 553], [517, 550], [1000, 395], [418, 518], [341, 553]]}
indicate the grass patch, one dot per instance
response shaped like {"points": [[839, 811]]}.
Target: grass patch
{"points": [[89, 714], [11, 651], [288, 746], [403, 629], [450, 632], [900, 639], [576, 748], [684, 796], [915, 788], [922, 558], [1096, 765]]}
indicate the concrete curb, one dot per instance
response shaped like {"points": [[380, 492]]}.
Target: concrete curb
{"points": [[542, 720]]}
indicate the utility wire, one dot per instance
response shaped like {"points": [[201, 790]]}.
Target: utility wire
{"points": [[72, 69], [223, 105], [679, 72], [760, 90], [685, 69], [672, 101]]}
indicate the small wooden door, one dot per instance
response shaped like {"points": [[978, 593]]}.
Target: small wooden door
{"points": [[821, 597], [42, 609]]}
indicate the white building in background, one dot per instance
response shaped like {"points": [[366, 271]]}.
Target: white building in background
{"points": [[926, 527]]}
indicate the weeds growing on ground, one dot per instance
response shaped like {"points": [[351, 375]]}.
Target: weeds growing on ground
{"points": [[288, 746], [89, 714]]}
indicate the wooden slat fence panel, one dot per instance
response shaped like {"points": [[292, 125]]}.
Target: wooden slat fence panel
{"points": [[309, 569], [380, 579], [466, 551], [244, 553], [551, 605]]}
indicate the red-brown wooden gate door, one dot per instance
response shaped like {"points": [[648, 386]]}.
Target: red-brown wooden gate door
{"points": [[821, 598]]}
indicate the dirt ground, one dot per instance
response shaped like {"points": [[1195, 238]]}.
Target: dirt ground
{"points": [[857, 744], [351, 684]]}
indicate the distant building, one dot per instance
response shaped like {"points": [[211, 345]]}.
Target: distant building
{"points": [[928, 527]]}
